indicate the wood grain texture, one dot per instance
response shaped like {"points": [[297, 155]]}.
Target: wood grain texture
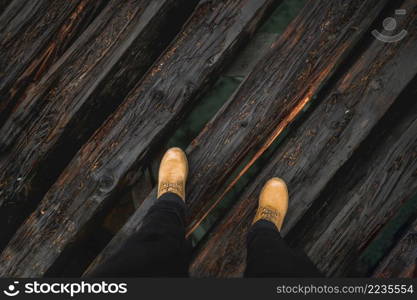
{"points": [[365, 198], [3, 5], [401, 262], [102, 166], [283, 82], [310, 155], [57, 115], [34, 35]]}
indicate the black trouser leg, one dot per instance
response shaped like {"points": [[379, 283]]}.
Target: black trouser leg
{"points": [[268, 255], [158, 249]]}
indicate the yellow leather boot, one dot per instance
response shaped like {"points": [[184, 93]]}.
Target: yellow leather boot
{"points": [[273, 202], [173, 173]]}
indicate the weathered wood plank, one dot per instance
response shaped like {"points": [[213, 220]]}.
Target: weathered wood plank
{"points": [[273, 94], [299, 63], [3, 5], [103, 165], [34, 35], [401, 262], [57, 115], [363, 200], [310, 156]]}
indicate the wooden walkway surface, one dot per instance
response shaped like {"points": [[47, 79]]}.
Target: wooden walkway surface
{"points": [[90, 91]]}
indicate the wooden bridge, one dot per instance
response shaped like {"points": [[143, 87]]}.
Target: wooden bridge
{"points": [[91, 91]]}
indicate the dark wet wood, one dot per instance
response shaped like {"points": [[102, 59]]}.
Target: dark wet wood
{"points": [[310, 156], [401, 262], [34, 35], [102, 166], [282, 84], [270, 98], [3, 5], [57, 115], [361, 200]]}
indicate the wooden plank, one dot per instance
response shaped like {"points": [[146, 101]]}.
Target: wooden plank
{"points": [[3, 5], [56, 116], [310, 155], [102, 166], [269, 99], [366, 198], [272, 96], [401, 262], [34, 35]]}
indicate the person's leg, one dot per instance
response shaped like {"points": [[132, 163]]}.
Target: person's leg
{"points": [[268, 255], [159, 248]]}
